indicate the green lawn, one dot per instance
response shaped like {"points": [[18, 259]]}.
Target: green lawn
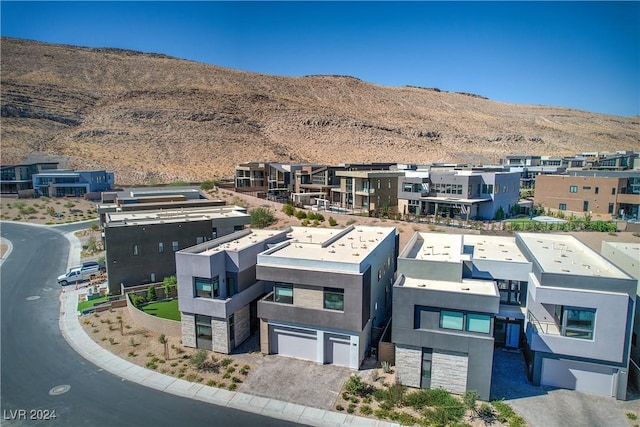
{"points": [[88, 304], [164, 309]]}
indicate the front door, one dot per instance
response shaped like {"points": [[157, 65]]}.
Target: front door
{"points": [[513, 335]]}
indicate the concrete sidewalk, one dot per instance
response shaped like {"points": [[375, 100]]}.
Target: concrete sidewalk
{"points": [[77, 338]]}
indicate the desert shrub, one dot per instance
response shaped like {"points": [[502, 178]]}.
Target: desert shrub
{"points": [[485, 411], [351, 221], [351, 408], [316, 223], [305, 222], [289, 209], [356, 386], [381, 413], [236, 380], [386, 367], [469, 399], [443, 416], [226, 362], [339, 408], [300, 215], [208, 185], [332, 221], [136, 299], [366, 410], [151, 365], [211, 383], [198, 358], [402, 418], [261, 217], [232, 387]]}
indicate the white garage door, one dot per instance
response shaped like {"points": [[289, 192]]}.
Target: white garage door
{"points": [[292, 342], [578, 376], [337, 349]]}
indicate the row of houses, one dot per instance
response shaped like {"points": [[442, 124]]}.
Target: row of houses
{"points": [[454, 190], [319, 294]]}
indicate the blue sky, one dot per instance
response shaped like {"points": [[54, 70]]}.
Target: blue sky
{"points": [[583, 55]]}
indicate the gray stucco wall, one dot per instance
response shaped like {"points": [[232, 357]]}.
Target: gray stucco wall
{"points": [[430, 270], [478, 347], [352, 318]]}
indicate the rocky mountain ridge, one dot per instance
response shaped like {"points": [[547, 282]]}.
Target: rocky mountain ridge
{"points": [[154, 118]]}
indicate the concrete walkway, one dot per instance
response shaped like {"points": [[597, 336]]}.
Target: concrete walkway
{"points": [[77, 338]]}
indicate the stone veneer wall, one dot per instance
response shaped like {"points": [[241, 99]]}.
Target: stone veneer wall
{"points": [[220, 332], [449, 371], [409, 365], [264, 336], [188, 330], [171, 328], [242, 330]]}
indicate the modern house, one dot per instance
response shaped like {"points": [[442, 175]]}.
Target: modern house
{"points": [[602, 193], [370, 191], [251, 177], [218, 290], [626, 256], [466, 194], [15, 178], [140, 245], [580, 311], [315, 183], [330, 287], [455, 299], [68, 182]]}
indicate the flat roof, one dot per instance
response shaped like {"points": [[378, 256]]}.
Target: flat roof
{"points": [[370, 173], [625, 247], [494, 248], [436, 247], [564, 254], [172, 215], [467, 286], [349, 245], [246, 239]]}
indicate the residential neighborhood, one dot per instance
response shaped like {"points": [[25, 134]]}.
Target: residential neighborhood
{"points": [[436, 304]]}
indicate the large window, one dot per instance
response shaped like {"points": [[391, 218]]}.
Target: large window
{"points": [[334, 299], [573, 189], [427, 355], [203, 328], [463, 321], [206, 288], [283, 293], [451, 320], [478, 323], [578, 322], [232, 286], [512, 291]]}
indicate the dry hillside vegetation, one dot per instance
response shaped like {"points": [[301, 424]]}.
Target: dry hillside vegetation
{"points": [[150, 117]]}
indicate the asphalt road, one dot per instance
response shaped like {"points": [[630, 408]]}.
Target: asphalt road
{"points": [[42, 375]]}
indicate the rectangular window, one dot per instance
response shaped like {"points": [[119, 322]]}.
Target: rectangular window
{"points": [[613, 191], [586, 187], [283, 293], [203, 327], [611, 206], [579, 322], [206, 288], [451, 320], [585, 206], [160, 248], [573, 189], [334, 299], [238, 227], [562, 206], [407, 187], [478, 323], [232, 328], [199, 240], [597, 190], [174, 245], [427, 355], [232, 287], [389, 185], [135, 249], [214, 233]]}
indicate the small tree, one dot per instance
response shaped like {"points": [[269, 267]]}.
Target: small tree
{"points": [[168, 284], [162, 339], [151, 293], [261, 217], [499, 214]]}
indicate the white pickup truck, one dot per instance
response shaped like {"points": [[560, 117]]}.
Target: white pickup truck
{"points": [[80, 273]]}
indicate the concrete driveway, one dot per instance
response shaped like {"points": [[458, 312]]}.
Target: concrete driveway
{"points": [[297, 381], [550, 407]]}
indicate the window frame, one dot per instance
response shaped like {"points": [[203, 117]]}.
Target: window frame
{"points": [[199, 290], [578, 330], [573, 189], [333, 292], [562, 206], [278, 287], [452, 315]]}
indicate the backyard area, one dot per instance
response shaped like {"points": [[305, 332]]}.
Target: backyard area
{"points": [[164, 309]]}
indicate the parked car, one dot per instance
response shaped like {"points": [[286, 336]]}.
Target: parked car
{"points": [[79, 274], [89, 265]]}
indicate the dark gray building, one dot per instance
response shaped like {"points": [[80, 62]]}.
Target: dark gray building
{"points": [[141, 245]]}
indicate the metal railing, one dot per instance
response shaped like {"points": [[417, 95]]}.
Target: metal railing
{"points": [[542, 327]]}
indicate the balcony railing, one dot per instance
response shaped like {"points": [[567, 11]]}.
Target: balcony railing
{"points": [[543, 327]]}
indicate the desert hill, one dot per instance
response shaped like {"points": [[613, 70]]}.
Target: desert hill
{"points": [[153, 118]]}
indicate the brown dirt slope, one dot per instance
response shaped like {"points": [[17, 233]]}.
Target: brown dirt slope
{"points": [[150, 117]]}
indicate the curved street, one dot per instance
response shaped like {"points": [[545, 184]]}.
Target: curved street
{"points": [[43, 376]]}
